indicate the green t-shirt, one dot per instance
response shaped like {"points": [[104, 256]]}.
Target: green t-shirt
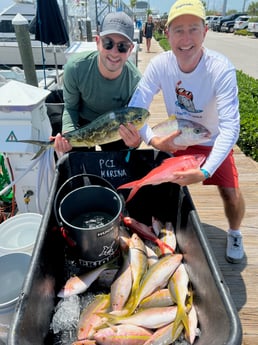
{"points": [[87, 94]]}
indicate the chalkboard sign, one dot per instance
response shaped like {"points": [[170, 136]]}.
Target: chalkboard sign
{"points": [[114, 166]]}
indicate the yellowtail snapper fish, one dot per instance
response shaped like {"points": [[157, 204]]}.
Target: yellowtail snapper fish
{"points": [[76, 285], [102, 130], [122, 335], [192, 133]]}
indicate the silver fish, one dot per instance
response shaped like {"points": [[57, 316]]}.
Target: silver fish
{"points": [[76, 285], [192, 133], [103, 130]]}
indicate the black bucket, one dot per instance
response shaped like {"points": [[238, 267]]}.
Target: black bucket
{"points": [[75, 182], [91, 218]]}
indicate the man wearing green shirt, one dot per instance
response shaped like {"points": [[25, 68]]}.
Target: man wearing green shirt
{"points": [[101, 81]]}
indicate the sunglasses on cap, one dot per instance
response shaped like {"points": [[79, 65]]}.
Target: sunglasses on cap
{"points": [[108, 44]]}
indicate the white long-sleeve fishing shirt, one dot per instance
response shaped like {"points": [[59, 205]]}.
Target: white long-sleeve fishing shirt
{"points": [[208, 95]]}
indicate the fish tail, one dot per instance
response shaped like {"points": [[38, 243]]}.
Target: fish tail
{"points": [[131, 304], [181, 318], [40, 152], [109, 319], [162, 245], [44, 145], [132, 193]]}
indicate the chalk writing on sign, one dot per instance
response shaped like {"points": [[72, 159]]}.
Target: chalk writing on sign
{"points": [[108, 169]]}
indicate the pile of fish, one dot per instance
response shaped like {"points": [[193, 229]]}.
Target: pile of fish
{"points": [[150, 300]]}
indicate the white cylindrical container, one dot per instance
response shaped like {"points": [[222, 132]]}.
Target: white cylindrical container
{"points": [[13, 269], [18, 233]]}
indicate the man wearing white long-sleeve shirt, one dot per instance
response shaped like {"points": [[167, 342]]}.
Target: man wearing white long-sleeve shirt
{"points": [[199, 85]]}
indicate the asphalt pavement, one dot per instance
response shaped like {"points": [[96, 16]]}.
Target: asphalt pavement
{"points": [[241, 50]]}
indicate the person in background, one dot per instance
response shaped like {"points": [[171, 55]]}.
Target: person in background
{"points": [[148, 32], [101, 81], [200, 85]]}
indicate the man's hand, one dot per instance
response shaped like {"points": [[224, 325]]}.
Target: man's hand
{"points": [[61, 144], [130, 135], [166, 143], [184, 178]]}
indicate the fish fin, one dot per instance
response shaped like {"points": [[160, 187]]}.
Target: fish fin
{"points": [[43, 146], [162, 245], [36, 142], [133, 192], [127, 185], [61, 293], [40, 151], [133, 185], [108, 319], [181, 317]]}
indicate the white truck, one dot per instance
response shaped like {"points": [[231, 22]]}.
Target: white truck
{"points": [[253, 26]]}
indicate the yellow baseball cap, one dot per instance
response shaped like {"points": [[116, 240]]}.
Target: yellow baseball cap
{"points": [[180, 7]]}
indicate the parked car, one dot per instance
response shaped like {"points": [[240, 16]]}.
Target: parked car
{"points": [[229, 25], [241, 23], [227, 18], [213, 23], [253, 26], [208, 19]]}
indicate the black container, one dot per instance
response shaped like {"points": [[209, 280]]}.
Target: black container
{"points": [[218, 318], [98, 242]]}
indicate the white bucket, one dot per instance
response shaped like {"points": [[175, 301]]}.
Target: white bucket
{"points": [[18, 233], [13, 270]]}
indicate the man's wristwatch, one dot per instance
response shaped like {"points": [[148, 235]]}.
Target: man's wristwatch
{"points": [[205, 173]]}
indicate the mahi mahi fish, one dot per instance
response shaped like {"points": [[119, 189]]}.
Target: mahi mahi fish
{"points": [[164, 172], [102, 130], [192, 133]]}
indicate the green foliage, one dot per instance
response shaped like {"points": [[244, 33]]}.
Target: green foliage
{"points": [[164, 44], [248, 108], [243, 32], [158, 36], [253, 20]]}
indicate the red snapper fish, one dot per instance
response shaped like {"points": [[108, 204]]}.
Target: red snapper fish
{"points": [[164, 172]]}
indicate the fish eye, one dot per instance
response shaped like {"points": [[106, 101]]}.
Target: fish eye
{"points": [[197, 131]]}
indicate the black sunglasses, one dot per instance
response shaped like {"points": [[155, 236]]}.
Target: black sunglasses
{"points": [[122, 47]]}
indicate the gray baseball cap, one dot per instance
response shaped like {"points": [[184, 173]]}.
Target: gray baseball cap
{"points": [[117, 23]]}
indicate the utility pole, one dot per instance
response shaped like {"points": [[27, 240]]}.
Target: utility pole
{"points": [[224, 8], [243, 8]]}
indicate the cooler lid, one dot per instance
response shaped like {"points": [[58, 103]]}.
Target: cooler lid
{"points": [[18, 96]]}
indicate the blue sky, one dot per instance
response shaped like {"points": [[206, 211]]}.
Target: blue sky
{"points": [[164, 5]]}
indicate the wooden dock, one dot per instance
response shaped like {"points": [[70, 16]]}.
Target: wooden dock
{"points": [[242, 279]]}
